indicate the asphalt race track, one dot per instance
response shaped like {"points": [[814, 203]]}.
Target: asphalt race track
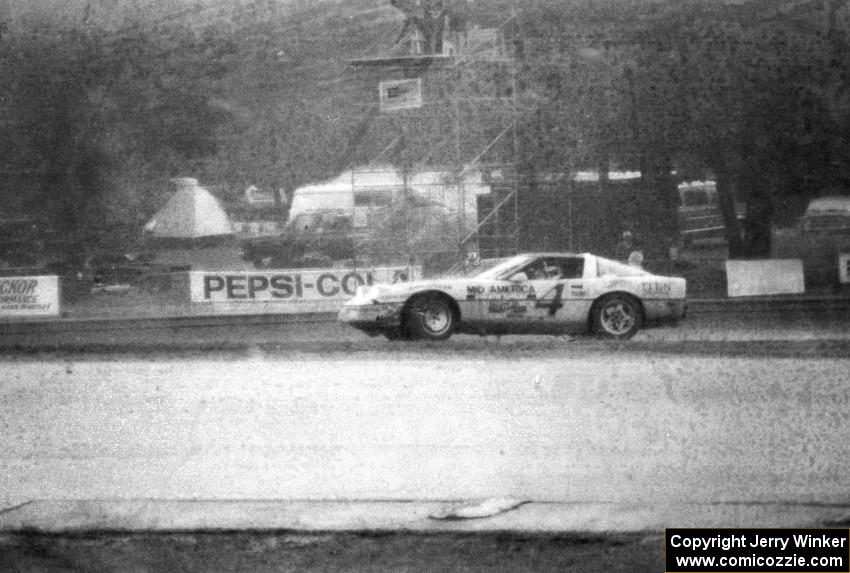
{"points": [[269, 425], [316, 411]]}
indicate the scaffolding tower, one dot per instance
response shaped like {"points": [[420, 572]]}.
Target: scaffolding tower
{"points": [[445, 123]]}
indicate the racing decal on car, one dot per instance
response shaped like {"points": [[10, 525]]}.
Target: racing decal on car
{"points": [[555, 303], [510, 307], [512, 289], [656, 288], [473, 291]]}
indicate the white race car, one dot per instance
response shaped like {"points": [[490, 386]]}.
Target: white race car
{"points": [[529, 293]]}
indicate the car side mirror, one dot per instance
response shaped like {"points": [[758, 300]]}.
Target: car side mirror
{"points": [[519, 278]]}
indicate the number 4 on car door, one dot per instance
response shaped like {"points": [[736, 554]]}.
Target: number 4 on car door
{"points": [[552, 300]]}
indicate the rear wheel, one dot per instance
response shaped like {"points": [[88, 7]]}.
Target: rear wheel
{"points": [[617, 316], [430, 317]]}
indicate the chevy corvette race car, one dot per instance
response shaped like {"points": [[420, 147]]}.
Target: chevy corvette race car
{"points": [[529, 293]]}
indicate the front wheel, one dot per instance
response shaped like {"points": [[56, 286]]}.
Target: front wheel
{"points": [[617, 316], [430, 317]]}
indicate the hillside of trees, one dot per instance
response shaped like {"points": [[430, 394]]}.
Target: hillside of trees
{"points": [[102, 106]]}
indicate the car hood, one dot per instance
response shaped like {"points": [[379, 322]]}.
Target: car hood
{"points": [[401, 291]]}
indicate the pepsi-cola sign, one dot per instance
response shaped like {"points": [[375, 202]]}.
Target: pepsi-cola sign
{"points": [[289, 285]]}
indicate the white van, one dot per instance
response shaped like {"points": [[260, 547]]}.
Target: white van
{"points": [[361, 192], [828, 215], [351, 195]]}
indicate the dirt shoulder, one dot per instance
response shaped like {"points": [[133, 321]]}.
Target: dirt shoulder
{"points": [[352, 551]]}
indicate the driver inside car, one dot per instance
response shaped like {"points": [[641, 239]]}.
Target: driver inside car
{"points": [[551, 271], [535, 271], [540, 270]]}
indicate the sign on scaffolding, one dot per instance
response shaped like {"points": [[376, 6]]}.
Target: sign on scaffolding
{"points": [[401, 94]]}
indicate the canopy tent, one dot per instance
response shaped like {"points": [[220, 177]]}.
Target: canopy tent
{"points": [[191, 213]]}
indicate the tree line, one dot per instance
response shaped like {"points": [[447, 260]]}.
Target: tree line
{"points": [[753, 94]]}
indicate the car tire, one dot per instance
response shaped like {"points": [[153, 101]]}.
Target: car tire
{"points": [[617, 316], [430, 317]]}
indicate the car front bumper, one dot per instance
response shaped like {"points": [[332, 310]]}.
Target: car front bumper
{"points": [[371, 317]]}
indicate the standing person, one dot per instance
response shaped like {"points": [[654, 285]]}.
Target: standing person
{"points": [[636, 256], [625, 247]]}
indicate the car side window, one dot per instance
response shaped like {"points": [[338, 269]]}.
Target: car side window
{"points": [[571, 267], [534, 270], [554, 268]]}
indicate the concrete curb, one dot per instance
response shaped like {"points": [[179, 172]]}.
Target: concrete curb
{"points": [[309, 516]]}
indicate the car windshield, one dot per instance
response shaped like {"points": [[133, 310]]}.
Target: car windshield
{"points": [[504, 268], [473, 269]]}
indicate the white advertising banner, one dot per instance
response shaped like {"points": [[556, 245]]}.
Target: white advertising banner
{"points": [[287, 291], [29, 296], [765, 277], [844, 268]]}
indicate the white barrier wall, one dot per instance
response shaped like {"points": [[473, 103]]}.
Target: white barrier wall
{"points": [[288, 290], [29, 296], [764, 277], [844, 268]]}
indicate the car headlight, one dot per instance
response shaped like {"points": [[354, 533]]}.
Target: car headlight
{"points": [[368, 292]]}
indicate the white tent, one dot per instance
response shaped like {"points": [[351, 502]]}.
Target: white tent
{"points": [[191, 213]]}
